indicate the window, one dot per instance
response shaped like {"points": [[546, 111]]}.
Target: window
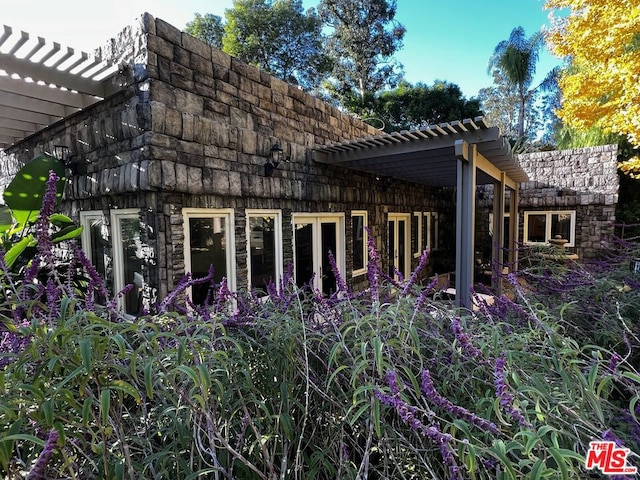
{"points": [[430, 230], [314, 236], [209, 240], [416, 234], [127, 258], [264, 247], [359, 236], [540, 227], [398, 244], [505, 228], [95, 235]]}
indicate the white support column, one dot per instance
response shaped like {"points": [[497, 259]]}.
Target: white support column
{"points": [[465, 221], [497, 248]]}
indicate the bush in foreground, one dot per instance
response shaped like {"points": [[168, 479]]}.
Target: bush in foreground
{"points": [[300, 386]]}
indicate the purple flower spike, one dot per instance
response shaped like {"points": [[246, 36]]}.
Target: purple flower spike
{"points": [[38, 470], [429, 390], [503, 394]]}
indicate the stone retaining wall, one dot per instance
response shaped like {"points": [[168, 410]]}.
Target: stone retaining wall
{"points": [[582, 179]]}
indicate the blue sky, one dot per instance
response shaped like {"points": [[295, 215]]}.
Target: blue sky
{"points": [[445, 40]]}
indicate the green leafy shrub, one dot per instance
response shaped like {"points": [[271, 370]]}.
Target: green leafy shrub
{"points": [[302, 386]]}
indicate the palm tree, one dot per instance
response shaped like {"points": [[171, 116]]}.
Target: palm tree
{"points": [[516, 58]]}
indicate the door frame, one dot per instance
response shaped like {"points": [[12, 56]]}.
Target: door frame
{"points": [[316, 218], [396, 217]]}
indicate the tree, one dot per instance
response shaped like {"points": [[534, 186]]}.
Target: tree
{"points": [[208, 28], [279, 37], [516, 59], [502, 107], [601, 39], [364, 37], [417, 106]]}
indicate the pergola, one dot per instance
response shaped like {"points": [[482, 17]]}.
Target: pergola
{"points": [[42, 82], [461, 154]]}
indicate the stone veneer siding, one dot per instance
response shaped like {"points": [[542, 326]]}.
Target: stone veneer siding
{"points": [[584, 180], [191, 128]]}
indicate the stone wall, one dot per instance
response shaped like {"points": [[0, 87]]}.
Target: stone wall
{"points": [[193, 127], [584, 180]]}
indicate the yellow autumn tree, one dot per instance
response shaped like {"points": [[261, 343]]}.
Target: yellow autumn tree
{"points": [[601, 86]]}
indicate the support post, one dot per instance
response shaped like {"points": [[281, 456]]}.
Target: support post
{"points": [[465, 221]]}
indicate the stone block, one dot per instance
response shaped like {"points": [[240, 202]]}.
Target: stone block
{"points": [[248, 141], [227, 99], [181, 56], [202, 130], [220, 73], [218, 57], [204, 91], [207, 180], [182, 179], [235, 184], [153, 175], [201, 64], [173, 122], [280, 86], [192, 148], [214, 108], [162, 92], [168, 176], [220, 182], [160, 46], [194, 45], [168, 32], [187, 127], [206, 80], [194, 178]]}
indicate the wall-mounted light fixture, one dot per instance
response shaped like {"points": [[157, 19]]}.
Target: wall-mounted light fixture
{"points": [[273, 160]]}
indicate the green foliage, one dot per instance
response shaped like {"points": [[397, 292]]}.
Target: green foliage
{"points": [[364, 37], [410, 106], [25, 192], [24, 198], [279, 37], [520, 109], [208, 28], [295, 387]]}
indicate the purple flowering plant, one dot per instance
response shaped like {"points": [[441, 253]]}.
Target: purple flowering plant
{"points": [[389, 383]]}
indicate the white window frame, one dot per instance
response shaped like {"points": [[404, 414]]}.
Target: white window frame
{"points": [[277, 215], [396, 217], [317, 219], [432, 220], [230, 238], [365, 238], [116, 240], [549, 214], [87, 218], [417, 253]]}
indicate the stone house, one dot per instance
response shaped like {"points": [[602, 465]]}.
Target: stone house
{"points": [[181, 157]]}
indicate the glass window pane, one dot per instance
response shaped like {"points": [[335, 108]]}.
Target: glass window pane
{"points": [[97, 249], [415, 225], [561, 225], [131, 248], [262, 247], [304, 253], [401, 248], [329, 239], [207, 247], [357, 232], [537, 228], [426, 230]]}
